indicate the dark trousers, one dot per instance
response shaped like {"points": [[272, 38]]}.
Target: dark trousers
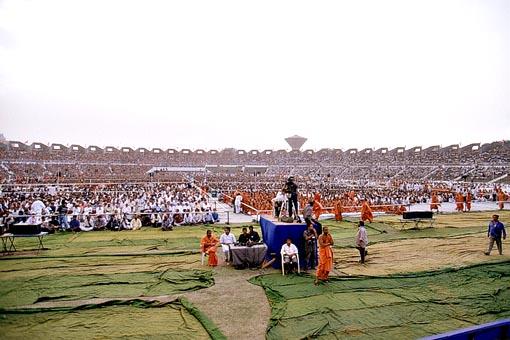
{"points": [[310, 254], [293, 201], [362, 253], [277, 208], [499, 244]]}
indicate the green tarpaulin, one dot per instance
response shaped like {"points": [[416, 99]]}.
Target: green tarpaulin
{"points": [[395, 306], [133, 319]]}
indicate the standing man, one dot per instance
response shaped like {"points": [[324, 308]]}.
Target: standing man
{"points": [[308, 212], [366, 212], [338, 209], [495, 232], [291, 191], [434, 202], [310, 236], [317, 206], [501, 199], [62, 216], [325, 256], [459, 202], [237, 203], [362, 241], [469, 199]]}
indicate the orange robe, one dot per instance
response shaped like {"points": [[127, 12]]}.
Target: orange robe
{"points": [[338, 210], [469, 198], [501, 199], [325, 258], [209, 245], [317, 206], [459, 201], [366, 212], [434, 202]]}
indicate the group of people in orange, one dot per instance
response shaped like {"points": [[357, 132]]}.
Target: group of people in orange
{"points": [[257, 201], [462, 203]]}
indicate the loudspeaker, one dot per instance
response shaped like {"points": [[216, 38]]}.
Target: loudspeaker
{"points": [[416, 214]]}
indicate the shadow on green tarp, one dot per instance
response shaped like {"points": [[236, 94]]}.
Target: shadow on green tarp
{"points": [[394, 306], [133, 319]]}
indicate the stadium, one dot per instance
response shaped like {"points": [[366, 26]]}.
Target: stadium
{"points": [[414, 282], [236, 169]]}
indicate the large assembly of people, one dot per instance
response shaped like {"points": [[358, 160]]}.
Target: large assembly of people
{"points": [[94, 188]]}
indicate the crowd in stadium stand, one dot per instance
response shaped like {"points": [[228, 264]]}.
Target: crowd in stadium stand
{"points": [[390, 179], [100, 207], [40, 163]]}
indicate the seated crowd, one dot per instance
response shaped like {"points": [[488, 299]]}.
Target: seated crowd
{"points": [[113, 207]]}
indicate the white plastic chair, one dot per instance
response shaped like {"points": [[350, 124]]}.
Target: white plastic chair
{"points": [[283, 264]]}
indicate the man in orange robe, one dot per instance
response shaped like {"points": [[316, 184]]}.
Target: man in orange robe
{"points": [[501, 199], [338, 209], [317, 206], [434, 202], [459, 202], [366, 212], [469, 199], [325, 256], [208, 245]]}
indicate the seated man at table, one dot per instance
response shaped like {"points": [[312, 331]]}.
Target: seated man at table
{"points": [[244, 238], [227, 239], [208, 245], [290, 254], [254, 236]]}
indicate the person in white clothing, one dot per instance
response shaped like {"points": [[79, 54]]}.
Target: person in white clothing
{"points": [[290, 254], [227, 239], [136, 223], [237, 203], [362, 241], [278, 203]]}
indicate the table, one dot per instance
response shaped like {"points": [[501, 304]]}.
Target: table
{"points": [[244, 256], [275, 234], [416, 221], [8, 240]]}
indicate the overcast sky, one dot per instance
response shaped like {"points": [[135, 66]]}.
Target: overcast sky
{"points": [[246, 74]]}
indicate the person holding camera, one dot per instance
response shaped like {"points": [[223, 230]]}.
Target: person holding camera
{"points": [[291, 190], [310, 236]]}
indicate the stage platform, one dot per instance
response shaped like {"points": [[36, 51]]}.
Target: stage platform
{"points": [[275, 234]]}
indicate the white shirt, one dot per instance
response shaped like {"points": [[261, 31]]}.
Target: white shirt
{"points": [[289, 250], [37, 207], [225, 240], [362, 237]]}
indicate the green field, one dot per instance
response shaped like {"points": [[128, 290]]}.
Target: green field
{"points": [[415, 283]]}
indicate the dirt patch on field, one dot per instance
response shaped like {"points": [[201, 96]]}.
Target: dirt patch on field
{"points": [[239, 308], [414, 255]]}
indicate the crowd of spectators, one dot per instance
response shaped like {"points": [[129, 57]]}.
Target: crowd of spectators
{"points": [[383, 177], [112, 206]]}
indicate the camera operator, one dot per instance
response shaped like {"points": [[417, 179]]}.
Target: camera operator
{"points": [[291, 190]]}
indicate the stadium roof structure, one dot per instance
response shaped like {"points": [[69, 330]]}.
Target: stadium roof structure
{"points": [[296, 142]]}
